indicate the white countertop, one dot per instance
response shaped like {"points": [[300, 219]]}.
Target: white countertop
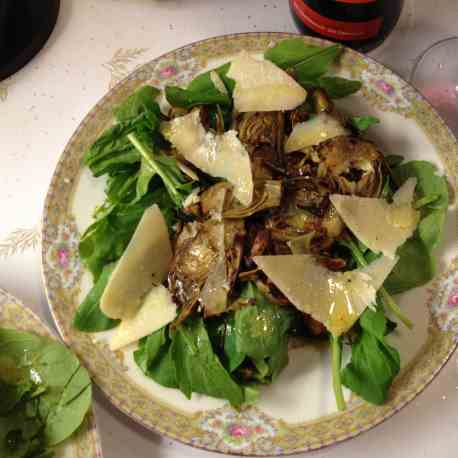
{"points": [[96, 42]]}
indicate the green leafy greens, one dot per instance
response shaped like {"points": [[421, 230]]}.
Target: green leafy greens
{"points": [[374, 363], [417, 264], [44, 394], [309, 65], [207, 357]]}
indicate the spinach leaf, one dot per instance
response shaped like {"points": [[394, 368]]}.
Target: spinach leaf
{"points": [[290, 52], [202, 91], [89, 317], [374, 363], [198, 369], [56, 394], [362, 123]]}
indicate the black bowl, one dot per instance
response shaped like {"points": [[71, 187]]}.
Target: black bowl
{"points": [[25, 26]]}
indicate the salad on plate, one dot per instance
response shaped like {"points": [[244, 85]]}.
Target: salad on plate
{"points": [[245, 215]]}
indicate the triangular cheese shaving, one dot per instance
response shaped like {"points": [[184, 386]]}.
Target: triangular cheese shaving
{"points": [[262, 86], [319, 129], [144, 263], [381, 226], [156, 311], [222, 156], [335, 299]]}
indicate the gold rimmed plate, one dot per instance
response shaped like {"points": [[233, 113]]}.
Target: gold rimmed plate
{"points": [[297, 413]]}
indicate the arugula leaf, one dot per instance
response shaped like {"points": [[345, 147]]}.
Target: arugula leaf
{"points": [[316, 64], [221, 331], [430, 186], [310, 64], [363, 256], [417, 264], [142, 99], [337, 87], [290, 52], [362, 123], [106, 239], [198, 368], [393, 160], [202, 91], [260, 329], [374, 363], [89, 317], [154, 358]]}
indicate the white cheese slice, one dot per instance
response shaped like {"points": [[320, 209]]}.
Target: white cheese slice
{"points": [[156, 311], [144, 263], [218, 82], [336, 299], [381, 226], [221, 156], [313, 132], [262, 86]]}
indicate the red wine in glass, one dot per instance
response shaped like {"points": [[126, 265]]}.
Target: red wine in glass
{"points": [[360, 24]]}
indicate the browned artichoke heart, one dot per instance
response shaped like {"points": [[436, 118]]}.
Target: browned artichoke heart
{"points": [[353, 164], [262, 128], [207, 256]]}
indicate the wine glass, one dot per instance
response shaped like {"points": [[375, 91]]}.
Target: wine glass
{"points": [[435, 75]]}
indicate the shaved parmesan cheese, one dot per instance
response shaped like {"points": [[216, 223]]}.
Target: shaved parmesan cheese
{"points": [[381, 226], [218, 155], [156, 311], [336, 299], [144, 263], [313, 132], [262, 86], [218, 82]]}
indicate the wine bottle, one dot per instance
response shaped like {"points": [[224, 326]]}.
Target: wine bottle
{"points": [[360, 24]]}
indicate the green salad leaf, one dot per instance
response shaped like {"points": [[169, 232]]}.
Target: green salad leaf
{"points": [[374, 363], [417, 263], [261, 331], [154, 358], [51, 398], [106, 239], [89, 317], [198, 368], [290, 52], [362, 123], [202, 91], [310, 64]]}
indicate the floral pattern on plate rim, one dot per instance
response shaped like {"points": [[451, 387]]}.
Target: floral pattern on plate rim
{"points": [[221, 429]]}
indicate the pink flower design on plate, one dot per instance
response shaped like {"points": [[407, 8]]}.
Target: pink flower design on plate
{"points": [[452, 301], [62, 255], [239, 431], [385, 87], [168, 71]]}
